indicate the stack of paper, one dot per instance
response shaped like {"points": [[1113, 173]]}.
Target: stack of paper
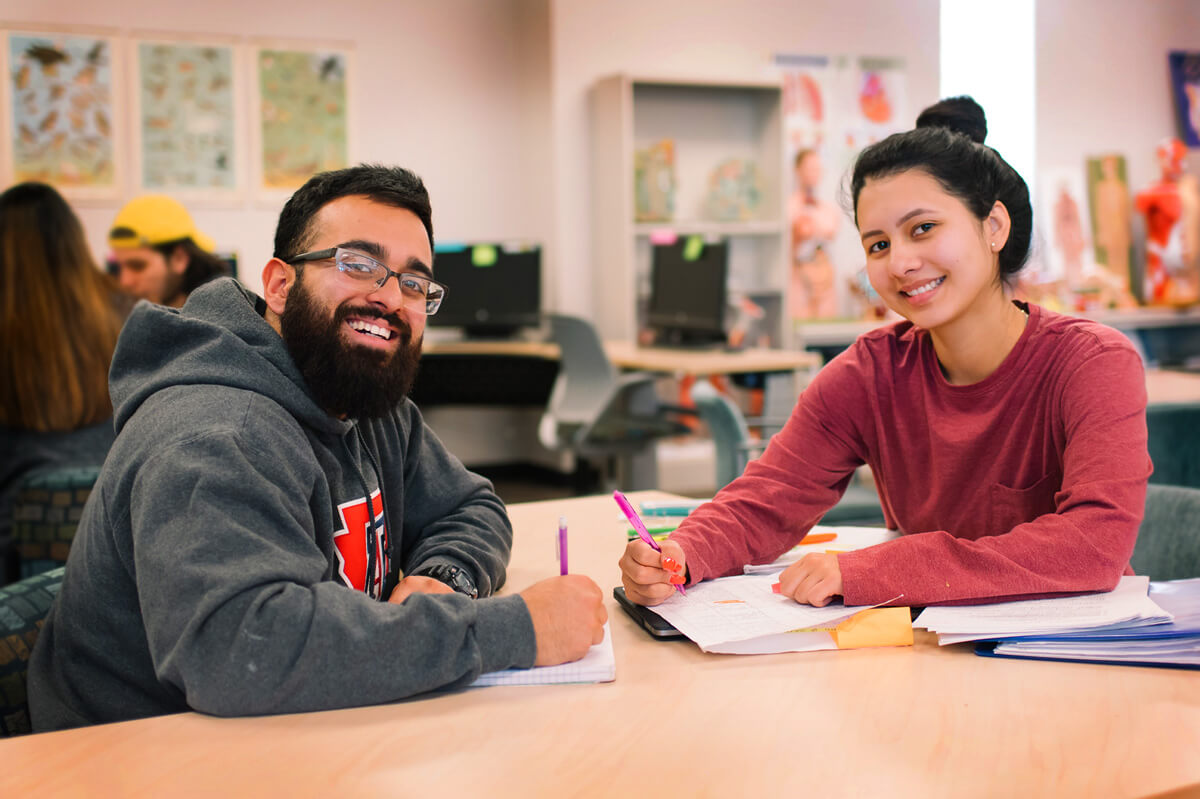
{"points": [[1127, 605], [1137, 622], [1176, 643]]}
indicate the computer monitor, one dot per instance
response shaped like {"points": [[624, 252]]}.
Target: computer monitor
{"points": [[492, 290], [688, 292]]}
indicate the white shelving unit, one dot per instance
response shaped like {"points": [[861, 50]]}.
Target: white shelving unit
{"points": [[709, 122]]}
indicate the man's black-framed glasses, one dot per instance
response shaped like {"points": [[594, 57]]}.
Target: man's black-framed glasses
{"points": [[417, 290]]}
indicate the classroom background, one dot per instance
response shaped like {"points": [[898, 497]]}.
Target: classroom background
{"points": [[499, 105], [532, 123]]}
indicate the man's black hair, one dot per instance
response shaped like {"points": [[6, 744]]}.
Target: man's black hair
{"points": [[389, 185], [202, 267]]}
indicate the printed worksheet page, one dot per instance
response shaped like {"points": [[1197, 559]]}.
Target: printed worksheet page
{"points": [[743, 607]]}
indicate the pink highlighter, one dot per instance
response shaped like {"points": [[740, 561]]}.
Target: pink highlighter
{"points": [[642, 532]]}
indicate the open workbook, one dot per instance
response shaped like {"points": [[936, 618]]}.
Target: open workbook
{"points": [[742, 615], [598, 665]]}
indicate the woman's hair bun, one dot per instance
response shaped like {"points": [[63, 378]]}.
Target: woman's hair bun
{"points": [[959, 114]]}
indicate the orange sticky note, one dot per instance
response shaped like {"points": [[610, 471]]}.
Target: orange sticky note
{"points": [[875, 627], [817, 538]]}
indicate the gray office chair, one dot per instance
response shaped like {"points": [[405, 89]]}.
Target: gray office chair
{"points": [[596, 412], [1168, 544], [735, 448], [1174, 443], [23, 607]]}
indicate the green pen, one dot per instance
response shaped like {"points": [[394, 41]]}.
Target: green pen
{"points": [[658, 532]]}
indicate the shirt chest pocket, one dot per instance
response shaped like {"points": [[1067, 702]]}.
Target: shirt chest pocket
{"points": [[1008, 506]]}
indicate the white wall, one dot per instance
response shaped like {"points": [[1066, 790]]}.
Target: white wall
{"points": [[1103, 83], [715, 39], [455, 90]]}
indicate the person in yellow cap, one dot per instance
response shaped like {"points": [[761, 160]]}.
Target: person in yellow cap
{"points": [[160, 255]]}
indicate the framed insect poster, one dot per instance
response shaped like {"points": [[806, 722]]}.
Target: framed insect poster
{"points": [[62, 115], [301, 120], [187, 126]]}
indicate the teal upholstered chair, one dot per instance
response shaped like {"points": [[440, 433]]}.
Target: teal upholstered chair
{"points": [[1168, 545], [734, 449], [1174, 443], [46, 511], [23, 607]]}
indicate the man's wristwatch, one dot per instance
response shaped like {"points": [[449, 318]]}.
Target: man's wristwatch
{"points": [[453, 576]]}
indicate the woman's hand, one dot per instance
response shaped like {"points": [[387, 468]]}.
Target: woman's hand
{"points": [[815, 579], [650, 577]]}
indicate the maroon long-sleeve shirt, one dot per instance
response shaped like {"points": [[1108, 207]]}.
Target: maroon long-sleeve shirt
{"points": [[1029, 483]]}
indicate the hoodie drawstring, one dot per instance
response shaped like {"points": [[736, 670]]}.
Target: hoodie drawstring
{"points": [[372, 530]]}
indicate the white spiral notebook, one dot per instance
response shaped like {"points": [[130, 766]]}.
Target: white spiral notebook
{"points": [[598, 665]]}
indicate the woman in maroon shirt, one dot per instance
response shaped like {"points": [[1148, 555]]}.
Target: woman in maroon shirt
{"points": [[1008, 442]]}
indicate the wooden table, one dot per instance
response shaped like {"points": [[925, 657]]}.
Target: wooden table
{"points": [[627, 355], [912, 721], [1164, 386], [698, 363]]}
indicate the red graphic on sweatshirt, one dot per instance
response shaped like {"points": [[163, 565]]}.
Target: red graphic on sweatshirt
{"points": [[351, 543]]}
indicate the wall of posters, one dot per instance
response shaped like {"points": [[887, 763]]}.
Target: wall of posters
{"points": [[302, 117], [186, 116], [79, 106], [62, 111]]}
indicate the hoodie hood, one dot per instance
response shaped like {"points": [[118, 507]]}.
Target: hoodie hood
{"points": [[219, 337]]}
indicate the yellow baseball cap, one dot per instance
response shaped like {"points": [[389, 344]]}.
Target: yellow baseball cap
{"points": [[154, 219]]}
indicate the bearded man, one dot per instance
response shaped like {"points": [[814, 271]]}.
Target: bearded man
{"points": [[275, 529]]}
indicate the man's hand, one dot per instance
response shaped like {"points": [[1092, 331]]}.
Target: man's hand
{"points": [[815, 579], [568, 617], [417, 585], [650, 577]]}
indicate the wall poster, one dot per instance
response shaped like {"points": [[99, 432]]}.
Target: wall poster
{"points": [[833, 106], [302, 115], [187, 119], [1185, 91], [61, 112]]}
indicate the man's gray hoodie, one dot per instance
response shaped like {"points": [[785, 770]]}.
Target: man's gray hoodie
{"points": [[221, 559]]}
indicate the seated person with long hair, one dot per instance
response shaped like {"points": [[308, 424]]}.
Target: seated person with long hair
{"points": [[1008, 442], [59, 317]]}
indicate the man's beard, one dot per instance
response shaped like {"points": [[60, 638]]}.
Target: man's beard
{"points": [[345, 379]]}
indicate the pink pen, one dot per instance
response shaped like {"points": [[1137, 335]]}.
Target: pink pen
{"points": [[642, 532], [562, 545]]}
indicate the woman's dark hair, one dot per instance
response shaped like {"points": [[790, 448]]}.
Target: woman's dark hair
{"points": [[202, 266], [59, 316], [948, 145]]}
